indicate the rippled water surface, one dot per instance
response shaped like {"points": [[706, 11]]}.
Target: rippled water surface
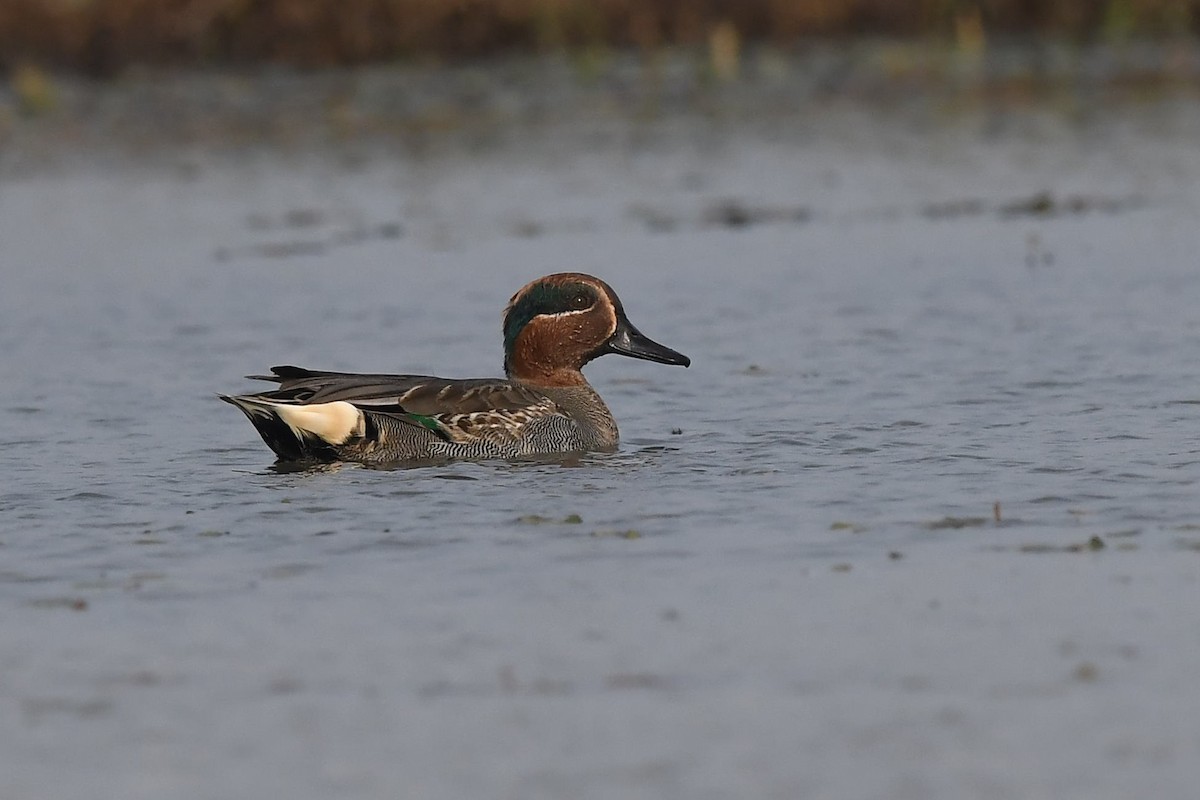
{"points": [[920, 521]]}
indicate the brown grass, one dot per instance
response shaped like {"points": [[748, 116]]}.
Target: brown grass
{"points": [[103, 36]]}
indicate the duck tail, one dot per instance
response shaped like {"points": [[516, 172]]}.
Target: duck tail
{"points": [[297, 431]]}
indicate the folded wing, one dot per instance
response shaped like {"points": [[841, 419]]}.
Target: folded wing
{"points": [[475, 413]]}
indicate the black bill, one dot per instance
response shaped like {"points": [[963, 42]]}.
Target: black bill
{"points": [[629, 341]]}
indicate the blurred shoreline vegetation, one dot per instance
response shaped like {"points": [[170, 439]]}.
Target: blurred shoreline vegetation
{"points": [[103, 38], [150, 72]]}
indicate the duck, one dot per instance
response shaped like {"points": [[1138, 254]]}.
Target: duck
{"points": [[543, 406]]}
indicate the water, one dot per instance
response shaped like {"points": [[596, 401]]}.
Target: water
{"points": [[792, 581]]}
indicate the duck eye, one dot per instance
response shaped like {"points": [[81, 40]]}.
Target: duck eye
{"points": [[580, 301]]}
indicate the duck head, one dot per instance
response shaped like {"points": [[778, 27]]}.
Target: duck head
{"points": [[556, 324]]}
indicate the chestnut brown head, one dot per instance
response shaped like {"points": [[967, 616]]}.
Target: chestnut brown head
{"points": [[556, 324]]}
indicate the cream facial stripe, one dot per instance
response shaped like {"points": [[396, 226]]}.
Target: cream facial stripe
{"points": [[612, 313]]}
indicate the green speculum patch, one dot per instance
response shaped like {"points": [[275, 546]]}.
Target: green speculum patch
{"points": [[428, 422]]}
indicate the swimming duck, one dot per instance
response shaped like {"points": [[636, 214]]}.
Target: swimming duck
{"points": [[552, 327]]}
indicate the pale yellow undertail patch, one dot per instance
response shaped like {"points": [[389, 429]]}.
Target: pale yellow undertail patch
{"points": [[331, 422]]}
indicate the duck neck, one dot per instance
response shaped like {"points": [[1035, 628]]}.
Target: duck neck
{"points": [[531, 363]]}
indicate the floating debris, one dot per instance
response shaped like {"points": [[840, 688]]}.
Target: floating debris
{"points": [[1044, 204], [735, 214], [655, 220], [1125, 534], [307, 220], [538, 519], [70, 603], [287, 249], [1040, 204], [303, 218], [1093, 544], [527, 229], [389, 230], [956, 523], [629, 534], [952, 209]]}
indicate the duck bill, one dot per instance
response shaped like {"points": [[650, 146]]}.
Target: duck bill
{"points": [[629, 341]]}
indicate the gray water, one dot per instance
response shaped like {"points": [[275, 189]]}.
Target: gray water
{"points": [[793, 580]]}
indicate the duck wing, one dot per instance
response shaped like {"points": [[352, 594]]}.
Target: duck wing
{"points": [[461, 411], [413, 394]]}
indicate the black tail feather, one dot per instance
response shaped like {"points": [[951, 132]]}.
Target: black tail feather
{"points": [[279, 436]]}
